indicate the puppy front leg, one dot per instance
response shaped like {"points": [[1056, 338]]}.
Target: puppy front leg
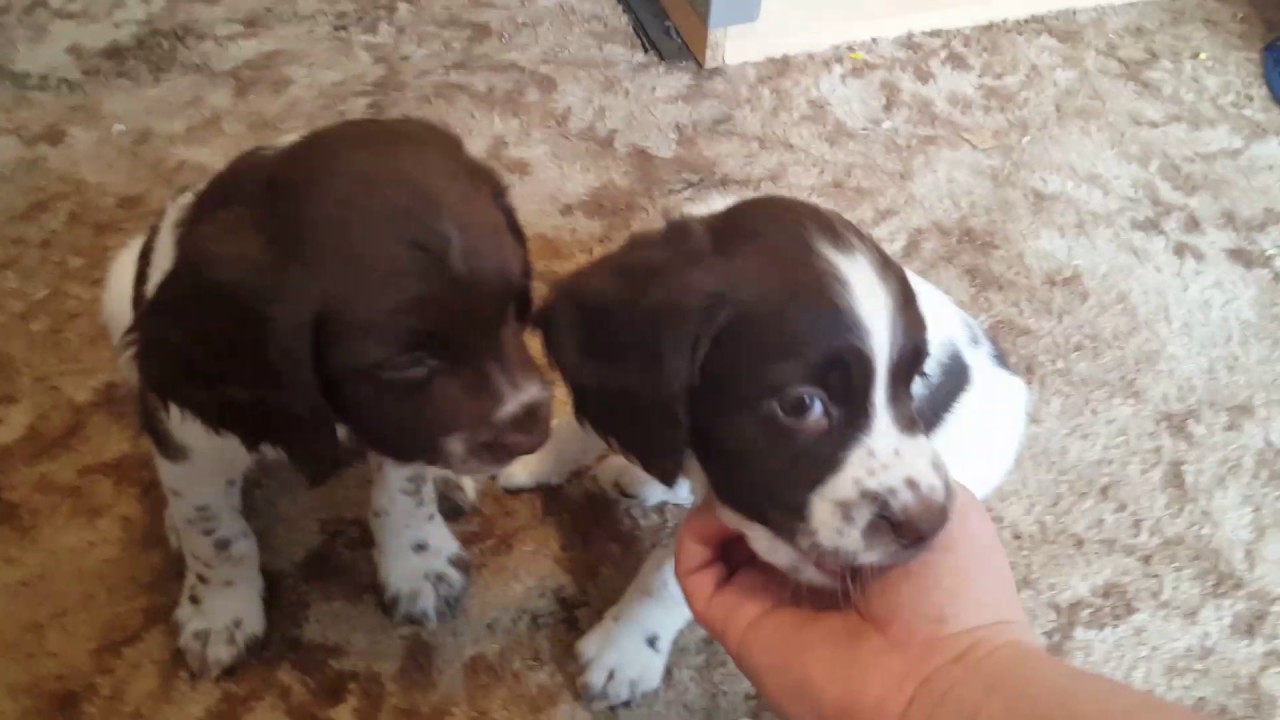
{"points": [[570, 446], [220, 615], [422, 567], [625, 655], [624, 478]]}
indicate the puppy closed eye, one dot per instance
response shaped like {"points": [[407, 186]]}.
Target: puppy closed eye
{"points": [[410, 367], [803, 408]]}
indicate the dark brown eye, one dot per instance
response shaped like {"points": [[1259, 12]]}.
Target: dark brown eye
{"points": [[410, 367], [804, 408]]}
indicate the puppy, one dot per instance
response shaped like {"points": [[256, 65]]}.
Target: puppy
{"points": [[366, 284], [773, 356]]}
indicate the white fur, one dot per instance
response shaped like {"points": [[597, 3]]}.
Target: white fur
{"points": [[772, 549], [166, 243], [710, 204], [625, 654], [872, 302], [420, 563], [622, 477], [220, 613], [519, 398], [569, 447], [117, 291], [979, 440], [998, 405]]}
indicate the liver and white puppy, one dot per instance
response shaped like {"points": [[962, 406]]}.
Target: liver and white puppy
{"points": [[774, 356], [367, 282]]}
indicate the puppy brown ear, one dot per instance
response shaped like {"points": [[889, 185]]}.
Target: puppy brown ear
{"points": [[312, 442], [629, 332], [524, 305]]}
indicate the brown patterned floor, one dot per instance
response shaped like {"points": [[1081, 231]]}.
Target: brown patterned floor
{"points": [[1102, 187]]}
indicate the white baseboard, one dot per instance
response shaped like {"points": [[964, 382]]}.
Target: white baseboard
{"points": [[787, 27]]}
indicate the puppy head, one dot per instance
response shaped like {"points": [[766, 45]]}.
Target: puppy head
{"points": [[778, 344], [408, 292]]}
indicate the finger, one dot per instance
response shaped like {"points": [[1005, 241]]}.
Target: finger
{"points": [[701, 536], [699, 543], [726, 586], [736, 554], [746, 598], [710, 556]]}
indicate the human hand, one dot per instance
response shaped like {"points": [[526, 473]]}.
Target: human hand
{"points": [[929, 618]]}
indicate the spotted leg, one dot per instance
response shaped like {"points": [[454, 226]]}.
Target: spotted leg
{"points": [[421, 565], [625, 655], [220, 615]]}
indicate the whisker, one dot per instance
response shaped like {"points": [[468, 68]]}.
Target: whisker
{"points": [[862, 579], [846, 584]]}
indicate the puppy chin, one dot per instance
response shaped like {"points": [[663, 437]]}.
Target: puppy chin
{"points": [[777, 552]]}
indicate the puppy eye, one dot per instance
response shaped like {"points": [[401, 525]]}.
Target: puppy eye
{"points": [[411, 367], [804, 408]]}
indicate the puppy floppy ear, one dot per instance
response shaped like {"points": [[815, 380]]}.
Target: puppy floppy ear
{"points": [[312, 442], [524, 304], [629, 332]]}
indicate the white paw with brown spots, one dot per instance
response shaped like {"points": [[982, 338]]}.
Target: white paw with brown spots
{"points": [[219, 621], [424, 578], [622, 661]]}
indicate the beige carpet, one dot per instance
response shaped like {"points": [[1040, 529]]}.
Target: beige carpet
{"points": [[1103, 187]]}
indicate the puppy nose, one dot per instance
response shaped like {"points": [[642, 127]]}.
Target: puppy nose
{"points": [[520, 432], [918, 520]]}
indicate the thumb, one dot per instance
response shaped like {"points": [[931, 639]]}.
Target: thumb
{"points": [[728, 589]]}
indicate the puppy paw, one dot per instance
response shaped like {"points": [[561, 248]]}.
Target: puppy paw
{"points": [[622, 662], [540, 469], [457, 495], [219, 622], [427, 589], [620, 477]]}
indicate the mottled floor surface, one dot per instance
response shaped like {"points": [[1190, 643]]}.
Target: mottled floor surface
{"points": [[1102, 187]]}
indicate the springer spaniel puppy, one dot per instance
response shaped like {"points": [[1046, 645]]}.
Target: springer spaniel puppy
{"points": [[773, 356], [366, 286]]}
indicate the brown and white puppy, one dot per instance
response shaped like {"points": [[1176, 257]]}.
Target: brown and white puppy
{"points": [[774, 356], [368, 282]]}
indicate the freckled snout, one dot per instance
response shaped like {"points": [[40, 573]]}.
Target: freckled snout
{"points": [[913, 518]]}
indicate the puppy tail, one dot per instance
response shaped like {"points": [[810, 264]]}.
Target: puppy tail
{"points": [[117, 301], [134, 273]]}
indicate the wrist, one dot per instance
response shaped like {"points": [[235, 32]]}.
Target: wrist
{"points": [[962, 686]]}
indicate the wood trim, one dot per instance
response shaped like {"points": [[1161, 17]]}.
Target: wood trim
{"points": [[707, 46]]}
